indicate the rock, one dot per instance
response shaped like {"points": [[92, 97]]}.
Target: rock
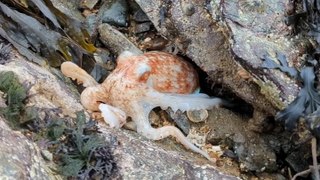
{"points": [[20, 158], [271, 35], [88, 4], [140, 16], [115, 13], [46, 90], [115, 40], [69, 7], [252, 151], [47, 155], [91, 24], [139, 158], [142, 27], [298, 160], [180, 119]]}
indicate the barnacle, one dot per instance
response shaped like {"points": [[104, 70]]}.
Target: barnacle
{"points": [[140, 83]]}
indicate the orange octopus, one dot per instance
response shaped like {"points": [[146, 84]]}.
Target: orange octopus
{"points": [[137, 85]]}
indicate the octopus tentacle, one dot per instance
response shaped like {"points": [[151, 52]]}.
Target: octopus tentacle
{"points": [[144, 128], [165, 131], [183, 102], [91, 97], [74, 72], [115, 117]]}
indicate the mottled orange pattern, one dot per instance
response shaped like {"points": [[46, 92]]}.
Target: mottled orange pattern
{"points": [[168, 73]]}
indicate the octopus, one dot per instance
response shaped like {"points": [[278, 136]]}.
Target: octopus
{"points": [[138, 84]]}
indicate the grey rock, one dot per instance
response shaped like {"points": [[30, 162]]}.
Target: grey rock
{"points": [[298, 160], [259, 29], [140, 16], [50, 91], [180, 119], [20, 158], [115, 40], [115, 13], [252, 151], [142, 27], [70, 8], [91, 23], [139, 158]]}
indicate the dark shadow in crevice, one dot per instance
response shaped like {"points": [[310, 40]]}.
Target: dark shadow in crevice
{"points": [[211, 88]]}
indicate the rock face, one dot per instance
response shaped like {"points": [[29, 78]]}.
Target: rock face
{"points": [[136, 157], [253, 152], [139, 158], [46, 90], [259, 29], [20, 158]]}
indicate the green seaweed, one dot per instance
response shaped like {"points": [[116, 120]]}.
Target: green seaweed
{"points": [[15, 95], [87, 154]]}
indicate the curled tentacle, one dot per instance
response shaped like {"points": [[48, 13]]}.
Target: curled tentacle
{"points": [[91, 97], [143, 127], [115, 117], [163, 132], [74, 72]]}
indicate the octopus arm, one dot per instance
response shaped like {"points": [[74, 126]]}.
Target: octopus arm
{"points": [[74, 72], [183, 102], [113, 116], [144, 128]]}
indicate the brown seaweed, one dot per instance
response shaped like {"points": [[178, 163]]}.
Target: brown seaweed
{"points": [[30, 36], [73, 28]]}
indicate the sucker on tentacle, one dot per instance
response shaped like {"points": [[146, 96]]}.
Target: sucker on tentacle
{"points": [[137, 85]]}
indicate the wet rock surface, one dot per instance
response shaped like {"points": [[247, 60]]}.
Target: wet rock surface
{"points": [[135, 152], [46, 91], [21, 158], [252, 151], [115, 13], [259, 29]]}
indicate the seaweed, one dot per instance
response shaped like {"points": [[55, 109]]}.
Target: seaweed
{"points": [[307, 101], [73, 28], [283, 66], [33, 36], [82, 153], [16, 113], [29, 33]]}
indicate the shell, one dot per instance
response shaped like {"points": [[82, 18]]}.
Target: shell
{"points": [[198, 115]]}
